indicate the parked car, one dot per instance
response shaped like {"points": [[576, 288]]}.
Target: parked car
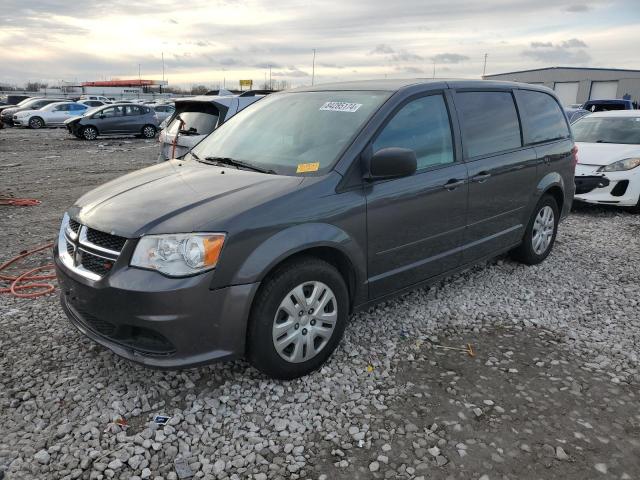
{"points": [[163, 111], [607, 105], [608, 171], [99, 98], [575, 114], [196, 117], [308, 206], [93, 103], [31, 104], [52, 115], [121, 119], [12, 100]]}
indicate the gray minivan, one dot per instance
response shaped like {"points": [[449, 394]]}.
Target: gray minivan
{"points": [[307, 206]]}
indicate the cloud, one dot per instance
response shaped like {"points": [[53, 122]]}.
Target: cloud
{"points": [[449, 58], [173, 21], [382, 48], [558, 55], [264, 65], [541, 44], [294, 72], [577, 8], [406, 57], [573, 43], [414, 70]]}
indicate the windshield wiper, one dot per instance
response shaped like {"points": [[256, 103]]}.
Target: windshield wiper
{"points": [[238, 164]]}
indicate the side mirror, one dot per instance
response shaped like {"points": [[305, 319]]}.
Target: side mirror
{"points": [[393, 162]]}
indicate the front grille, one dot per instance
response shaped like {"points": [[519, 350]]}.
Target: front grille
{"points": [[105, 240], [74, 226], [93, 263], [70, 249]]}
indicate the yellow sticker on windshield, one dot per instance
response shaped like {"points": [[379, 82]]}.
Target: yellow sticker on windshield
{"points": [[308, 167]]}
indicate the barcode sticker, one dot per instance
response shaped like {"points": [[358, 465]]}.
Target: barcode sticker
{"points": [[340, 107]]}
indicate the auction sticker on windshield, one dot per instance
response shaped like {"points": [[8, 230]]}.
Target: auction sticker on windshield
{"points": [[340, 107], [308, 167]]}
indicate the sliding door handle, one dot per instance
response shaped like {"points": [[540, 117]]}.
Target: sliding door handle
{"points": [[481, 177], [453, 184]]}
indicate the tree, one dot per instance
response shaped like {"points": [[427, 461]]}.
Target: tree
{"points": [[199, 90], [35, 86]]}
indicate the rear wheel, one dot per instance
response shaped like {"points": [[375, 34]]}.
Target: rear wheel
{"points": [[297, 319], [148, 131], [540, 234], [36, 122], [89, 133]]}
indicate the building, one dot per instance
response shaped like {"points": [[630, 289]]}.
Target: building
{"points": [[115, 88], [575, 85]]}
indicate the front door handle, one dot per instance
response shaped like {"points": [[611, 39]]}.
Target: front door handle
{"points": [[453, 184], [481, 177]]}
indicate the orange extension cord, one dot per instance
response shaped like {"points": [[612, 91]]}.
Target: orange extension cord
{"points": [[15, 282], [19, 202]]}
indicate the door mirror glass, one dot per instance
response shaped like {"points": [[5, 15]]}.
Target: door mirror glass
{"points": [[392, 162]]}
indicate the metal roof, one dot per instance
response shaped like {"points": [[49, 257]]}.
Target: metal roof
{"points": [[563, 68]]}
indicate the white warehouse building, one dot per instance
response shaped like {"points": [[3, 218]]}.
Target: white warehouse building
{"points": [[576, 85]]}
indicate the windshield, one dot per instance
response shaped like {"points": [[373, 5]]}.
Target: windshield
{"points": [[196, 123], [293, 132], [607, 130]]}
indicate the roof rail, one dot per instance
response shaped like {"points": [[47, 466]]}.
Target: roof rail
{"points": [[253, 93]]}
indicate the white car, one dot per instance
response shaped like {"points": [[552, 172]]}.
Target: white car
{"points": [[99, 98], [163, 111], [196, 117], [52, 115], [608, 170]]}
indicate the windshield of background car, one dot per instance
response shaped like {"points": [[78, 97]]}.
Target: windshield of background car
{"points": [[294, 133], [196, 123], [607, 130]]}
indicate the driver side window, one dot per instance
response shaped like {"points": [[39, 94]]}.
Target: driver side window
{"points": [[422, 125]]}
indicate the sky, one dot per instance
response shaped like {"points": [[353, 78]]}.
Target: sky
{"points": [[214, 41]]}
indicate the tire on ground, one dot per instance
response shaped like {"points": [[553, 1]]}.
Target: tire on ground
{"points": [[261, 350], [525, 252]]}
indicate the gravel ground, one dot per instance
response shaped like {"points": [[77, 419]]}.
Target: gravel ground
{"points": [[553, 391]]}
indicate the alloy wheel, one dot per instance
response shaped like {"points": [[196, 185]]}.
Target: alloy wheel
{"points": [[543, 229], [304, 321]]}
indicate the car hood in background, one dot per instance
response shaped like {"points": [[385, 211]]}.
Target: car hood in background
{"points": [[605, 153], [177, 196]]}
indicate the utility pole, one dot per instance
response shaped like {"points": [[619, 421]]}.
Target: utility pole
{"points": [[313, 68], [434, 70], [484, 68], [163, 66], [270, 83], [139, 78]]}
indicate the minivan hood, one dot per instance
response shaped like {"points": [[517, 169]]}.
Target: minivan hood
{"points": [[605, 153], [177, 196]]}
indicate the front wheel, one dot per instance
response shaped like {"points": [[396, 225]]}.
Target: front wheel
{"points": [[540, 234], [149, 131], [297, 319], [36, 122], [89, 133]]}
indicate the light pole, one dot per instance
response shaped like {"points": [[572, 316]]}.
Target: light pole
{"points": [[313, 68], [484, 68]]}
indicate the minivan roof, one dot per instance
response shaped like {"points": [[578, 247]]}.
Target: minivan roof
{"points": [[392, 85]]}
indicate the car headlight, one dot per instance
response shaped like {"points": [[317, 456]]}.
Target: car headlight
{"points": [[621, 165], [178, 255]]}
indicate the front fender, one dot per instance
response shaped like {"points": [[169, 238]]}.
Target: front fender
{"points": [[294, 240]]}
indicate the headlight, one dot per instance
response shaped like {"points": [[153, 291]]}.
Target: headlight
{"points": [[178, 255], [621, 165]]}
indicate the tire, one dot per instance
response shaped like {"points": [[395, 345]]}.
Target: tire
{"points": [[540, 234], [305, 341], [89, 133], [148, 131], [36, 123]]}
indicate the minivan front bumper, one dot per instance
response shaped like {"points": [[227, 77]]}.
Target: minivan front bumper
{"points": [[139, 316]]}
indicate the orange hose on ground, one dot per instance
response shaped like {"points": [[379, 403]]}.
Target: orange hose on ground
{"points": [[19, 202], [15, 286]]}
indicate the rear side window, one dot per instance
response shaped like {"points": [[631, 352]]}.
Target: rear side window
{"points": [[489, 122], [133, 110], [542, 118], [422, 126]]}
